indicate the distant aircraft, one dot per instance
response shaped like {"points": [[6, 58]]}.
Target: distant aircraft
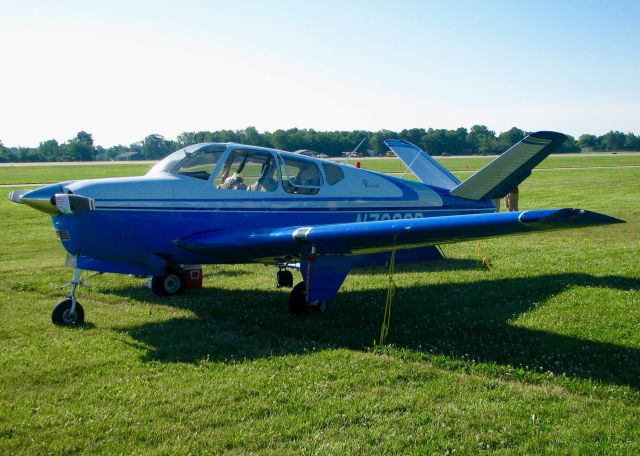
{"points": [[230, 203]]}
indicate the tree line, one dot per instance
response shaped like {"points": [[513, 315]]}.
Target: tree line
{"points": [[461, 141]]}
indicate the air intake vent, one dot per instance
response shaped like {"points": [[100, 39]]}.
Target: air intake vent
{"points": [[63, 235]]}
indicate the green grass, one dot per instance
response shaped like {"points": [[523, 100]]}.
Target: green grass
{"points": [[477, 162], [539, 354], [39, 174]]}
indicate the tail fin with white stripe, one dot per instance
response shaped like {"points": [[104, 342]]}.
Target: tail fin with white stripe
{"points": [[497, 178]]}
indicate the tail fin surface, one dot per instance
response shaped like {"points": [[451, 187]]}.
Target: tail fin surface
{"points": [[421, 164], [497, 178]]}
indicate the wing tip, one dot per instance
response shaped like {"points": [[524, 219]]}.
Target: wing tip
{"points": [[567, 217]]}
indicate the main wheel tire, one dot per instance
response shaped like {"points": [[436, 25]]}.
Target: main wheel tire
{"points": [[284, 279], [168, 285], [63, 316], [298, 300]]}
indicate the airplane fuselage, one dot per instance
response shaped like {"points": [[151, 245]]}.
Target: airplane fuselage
{"points": [[137, 220]]}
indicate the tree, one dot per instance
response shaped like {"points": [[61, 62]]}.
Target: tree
{"points": [[434, 141], [79, 148], [413, 135], [376, 143], [5, 154], [84, 137], [632, 142], [587, 141], [456, 142], [570, 145], [614, 140], [50, 150], [251, 136], [509, 138], [186, 138], [481, 140], [155, 147]]}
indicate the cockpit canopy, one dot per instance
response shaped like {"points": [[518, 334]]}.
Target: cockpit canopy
{"points": [[251, 169]]}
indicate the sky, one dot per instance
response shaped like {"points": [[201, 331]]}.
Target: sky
{"points": [[122, 70]]}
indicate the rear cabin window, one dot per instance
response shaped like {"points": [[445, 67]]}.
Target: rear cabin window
{"points": [[300, 176], [249, 170], [333, 173]]}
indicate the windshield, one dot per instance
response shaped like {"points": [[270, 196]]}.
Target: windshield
{"points": [[198, 161]]}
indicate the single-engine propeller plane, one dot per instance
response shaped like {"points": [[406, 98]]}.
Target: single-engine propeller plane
{"points": [[229, 203]]}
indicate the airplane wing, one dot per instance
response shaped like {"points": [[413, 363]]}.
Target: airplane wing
{"points": [[368, 237]]}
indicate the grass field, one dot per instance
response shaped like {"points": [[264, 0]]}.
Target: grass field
{"points": [[35, 174], [538, 354], [38, 174]]}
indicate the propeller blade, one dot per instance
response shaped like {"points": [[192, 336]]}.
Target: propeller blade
{"points": [[16, 196]]}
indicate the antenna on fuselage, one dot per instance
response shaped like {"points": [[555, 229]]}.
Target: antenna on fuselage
{"points": [[350, 154]]}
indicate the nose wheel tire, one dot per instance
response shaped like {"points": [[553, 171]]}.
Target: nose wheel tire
{"points": [[63, 316], [168, 285]]}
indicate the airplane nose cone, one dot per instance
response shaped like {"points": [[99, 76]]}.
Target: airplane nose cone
{"points": [[42, 198]]}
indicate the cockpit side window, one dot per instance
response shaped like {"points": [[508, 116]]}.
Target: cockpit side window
{"points": [[249, 170], [300, 176], [333, 173], [200, 163]]}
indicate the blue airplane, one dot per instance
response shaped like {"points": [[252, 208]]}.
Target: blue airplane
{"points": [[228, 203]]}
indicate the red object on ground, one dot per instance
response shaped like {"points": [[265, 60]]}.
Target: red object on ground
{"points": [[357, 164], [192, 276]]}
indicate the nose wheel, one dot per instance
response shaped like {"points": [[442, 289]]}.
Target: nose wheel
{"points": [[68, 313]]}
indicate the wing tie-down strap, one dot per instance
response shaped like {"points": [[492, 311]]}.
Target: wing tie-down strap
{"points": [[391, 291]]}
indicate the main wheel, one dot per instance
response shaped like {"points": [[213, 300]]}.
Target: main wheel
{"points": [[63, 316], [168, 285], [298, 300], [284, 279]]}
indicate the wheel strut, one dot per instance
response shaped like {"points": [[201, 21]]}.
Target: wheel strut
{"points": [[75, 283], [69, 312]]}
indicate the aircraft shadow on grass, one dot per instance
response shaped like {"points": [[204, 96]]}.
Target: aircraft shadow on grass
{"points": [[459, 320], [449, 264]]}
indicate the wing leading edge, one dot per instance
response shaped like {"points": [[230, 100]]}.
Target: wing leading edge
{"points": [[369, 237]]}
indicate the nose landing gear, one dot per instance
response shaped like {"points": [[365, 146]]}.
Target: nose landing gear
{"points": [[69, 312]]}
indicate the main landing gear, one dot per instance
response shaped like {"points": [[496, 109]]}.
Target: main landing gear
{"points": [[69, 312], [298, 302], [299, 305], [172, 283]]}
